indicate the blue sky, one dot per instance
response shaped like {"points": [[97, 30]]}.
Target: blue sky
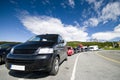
{"points": [[75, 20]]}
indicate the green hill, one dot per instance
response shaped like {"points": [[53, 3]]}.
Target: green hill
{"points": [[4, 42], [100, 44]]}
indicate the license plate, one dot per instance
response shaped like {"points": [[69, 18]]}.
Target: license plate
{"points": [[17, 67]]}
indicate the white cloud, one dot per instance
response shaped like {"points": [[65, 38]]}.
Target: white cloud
{"points": [[91, 22], [45, 24], [117, 28], [97, 4], [109, 35], [106, 35], [72, 3], [91, 1], [111, 11]]}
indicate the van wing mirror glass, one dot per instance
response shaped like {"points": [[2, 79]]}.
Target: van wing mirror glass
{"points": [[62, 41]]}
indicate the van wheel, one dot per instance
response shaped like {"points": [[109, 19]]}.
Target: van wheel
{"points": [[55, 67], [0, 60]]}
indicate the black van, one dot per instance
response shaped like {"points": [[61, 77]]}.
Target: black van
{"points": [[42, 52]]}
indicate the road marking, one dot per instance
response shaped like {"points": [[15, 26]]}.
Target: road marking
{"points": [[108, 58], [74, 69]]}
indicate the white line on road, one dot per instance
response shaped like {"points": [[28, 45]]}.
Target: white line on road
{"points": [[74, 69]]}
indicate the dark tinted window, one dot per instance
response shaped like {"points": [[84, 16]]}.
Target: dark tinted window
{"points": [[44, 38], [60, 39]]}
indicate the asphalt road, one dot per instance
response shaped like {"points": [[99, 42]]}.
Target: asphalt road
{"points": [[94, 65]]}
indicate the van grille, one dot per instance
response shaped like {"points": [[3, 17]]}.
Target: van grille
{"points": [[24, 51]]}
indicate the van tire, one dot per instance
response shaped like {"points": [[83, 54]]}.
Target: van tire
{"points": [[55, 66]]}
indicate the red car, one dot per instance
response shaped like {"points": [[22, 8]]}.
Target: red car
{"points": [[70, 51]]}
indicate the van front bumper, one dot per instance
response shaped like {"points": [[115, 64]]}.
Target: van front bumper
{"points": [[29, 62]]}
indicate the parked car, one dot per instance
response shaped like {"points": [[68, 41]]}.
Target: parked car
{"points": [[80, 47], [85, 48], [70, 51], [4, 50], [42, 52], [76, 50]]}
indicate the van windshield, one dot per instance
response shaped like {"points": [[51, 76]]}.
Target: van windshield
{"points": [[44, 38]]}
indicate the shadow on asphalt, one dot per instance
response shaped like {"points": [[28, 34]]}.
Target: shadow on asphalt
{"points": [[28, 75], [2, 63]]}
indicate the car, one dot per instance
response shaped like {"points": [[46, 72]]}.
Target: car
{"points": [[43, 52], [80, 48], [4, 50], [85, 48], [76, 50], [70, 51]]}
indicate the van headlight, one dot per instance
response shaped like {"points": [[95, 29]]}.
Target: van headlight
{"points": [[12, 50], [45, 50]]}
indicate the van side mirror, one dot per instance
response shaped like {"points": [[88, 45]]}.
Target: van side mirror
{"points": [[62, 41]]}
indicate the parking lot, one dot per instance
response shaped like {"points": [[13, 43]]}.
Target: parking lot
{"points": [[91, 65]]}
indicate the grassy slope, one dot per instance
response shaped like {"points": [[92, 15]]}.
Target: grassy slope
{"points": [[4, 42], [104, 45]]}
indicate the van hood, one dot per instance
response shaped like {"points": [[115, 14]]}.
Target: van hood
{"points": [[31, 47], [34, 45]]}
